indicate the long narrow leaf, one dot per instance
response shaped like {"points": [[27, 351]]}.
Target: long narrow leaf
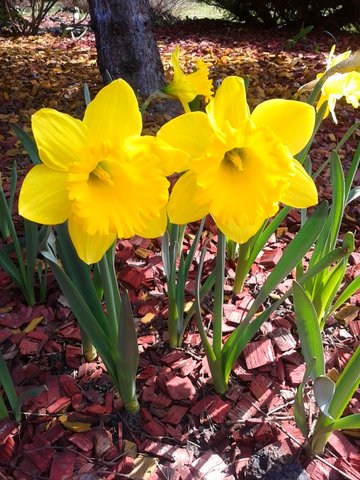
{"points": [[9, 389], [28, 143], [292, 255], [127, 354], [79, 273], [346, 385], [309, 330], [299, 407], [235, 344], [352, 172], [347, 293], [338, 196], [82, 312]]}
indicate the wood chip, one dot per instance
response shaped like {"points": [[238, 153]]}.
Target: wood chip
{"points": [[259, 353]]}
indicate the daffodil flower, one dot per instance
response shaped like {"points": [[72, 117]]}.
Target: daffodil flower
{"points": [[242, 164], [100, 174], [187, 87], [339, 85]]}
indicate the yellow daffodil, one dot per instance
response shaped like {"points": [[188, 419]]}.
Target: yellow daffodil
{"points": [[187, 87], [100, 174], [339, 85], [242, 165]]}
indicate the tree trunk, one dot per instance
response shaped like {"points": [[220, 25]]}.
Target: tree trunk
{"points": [[126, 46]]}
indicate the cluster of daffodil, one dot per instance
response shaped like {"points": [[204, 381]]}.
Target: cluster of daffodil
{"points": [[100, 180]]}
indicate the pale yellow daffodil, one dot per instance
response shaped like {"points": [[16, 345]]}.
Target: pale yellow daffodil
{"points": [[186, 87], [100, 174], [242, 164], [339, 85]]}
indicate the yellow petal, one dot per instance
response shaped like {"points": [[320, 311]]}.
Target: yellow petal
{"points": [[178, 73], [239, 234], [60, 138], [156, 227], [186, 203], [229, 104], [190, 132], [153, 152], [114, 113], [199, 80], [90, 248], [301, 191], [186, 87], [43, 196], [291, 121]]}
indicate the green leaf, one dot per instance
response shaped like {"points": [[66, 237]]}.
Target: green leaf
{"points": [[292, 255], [237, 341], [346, 385], [338, 196], [127, 353], [299, 407], [79, 273], [9, 389], [352, 171], [28, 143], [82, 311], [87, 96], [350, 422], [165, 253], [352, 288], [308, 328], [324, 389]]}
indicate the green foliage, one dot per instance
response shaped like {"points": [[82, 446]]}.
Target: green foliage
{"points": [[23, 18], [23, 268], [112, 333], [325, 13], [332, 399]]}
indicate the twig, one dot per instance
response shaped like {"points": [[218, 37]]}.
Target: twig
{"points": [[295, 440]]}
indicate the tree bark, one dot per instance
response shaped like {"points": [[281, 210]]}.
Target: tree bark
{"points": [[125, 43]]}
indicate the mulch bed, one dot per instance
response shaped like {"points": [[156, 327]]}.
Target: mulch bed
{"points": [[184, 431]]}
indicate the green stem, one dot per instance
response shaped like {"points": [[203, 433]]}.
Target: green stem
{"points": [[219, 295], [242, 266], [109, 294], [214, 362]]}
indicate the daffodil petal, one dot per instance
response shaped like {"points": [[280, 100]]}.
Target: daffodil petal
{"points": [[43, 196], [153, 152], [291, 121], [190, 132], [239, 234], [60, 138], [114, 113], [301, 191], [90, 248], [186, 203], [229, 104], [156, 227]]}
